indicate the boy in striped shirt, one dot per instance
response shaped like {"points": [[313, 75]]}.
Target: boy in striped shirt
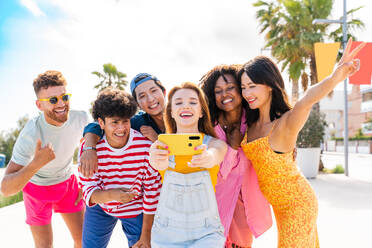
{"points": [[125, 187]]}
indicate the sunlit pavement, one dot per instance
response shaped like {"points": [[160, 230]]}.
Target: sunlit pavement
{"points": [[345, 212], [360, 165]]}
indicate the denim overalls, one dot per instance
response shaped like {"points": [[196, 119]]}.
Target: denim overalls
{"points": [[187, 213]]}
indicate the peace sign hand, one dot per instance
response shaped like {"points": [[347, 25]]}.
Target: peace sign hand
{"points": [[347, 65]]}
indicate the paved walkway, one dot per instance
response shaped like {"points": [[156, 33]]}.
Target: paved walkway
{"points": [[345, 215], [360, 165]]}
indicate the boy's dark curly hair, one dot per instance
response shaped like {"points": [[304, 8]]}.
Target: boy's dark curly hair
{"points": [[114, 103], [47, 79]]}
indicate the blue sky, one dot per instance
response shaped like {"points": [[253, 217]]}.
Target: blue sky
{"points": [[176, 41], [8, 10]]}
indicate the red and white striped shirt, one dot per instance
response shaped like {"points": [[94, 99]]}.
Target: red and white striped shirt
{"points": [[129, 168]]}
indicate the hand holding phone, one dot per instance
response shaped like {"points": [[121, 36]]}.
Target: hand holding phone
{"points": [[159, 155], [202, 160]]}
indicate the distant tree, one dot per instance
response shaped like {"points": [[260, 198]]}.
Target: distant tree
{"points": [[312, 134], [110, 77], [8, 139]]}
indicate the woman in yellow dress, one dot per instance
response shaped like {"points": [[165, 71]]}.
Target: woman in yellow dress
{"points": [[270, 139]]}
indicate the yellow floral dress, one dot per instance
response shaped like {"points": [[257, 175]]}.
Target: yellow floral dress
{"points": [[291, 196]]}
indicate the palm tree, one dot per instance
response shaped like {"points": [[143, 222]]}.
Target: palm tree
{"points": [[291, 35], [110, 77]]}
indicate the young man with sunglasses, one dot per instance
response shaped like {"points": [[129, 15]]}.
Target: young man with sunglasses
{"points": [[41, 163], [149, 94]]}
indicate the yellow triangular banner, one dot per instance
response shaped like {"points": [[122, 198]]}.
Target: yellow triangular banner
{"points": [[325, 58]]}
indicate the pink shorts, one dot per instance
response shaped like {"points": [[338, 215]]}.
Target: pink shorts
{"points": [[40, 200]]}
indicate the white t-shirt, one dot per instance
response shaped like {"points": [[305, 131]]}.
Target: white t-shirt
{"points": [[64, 139]]}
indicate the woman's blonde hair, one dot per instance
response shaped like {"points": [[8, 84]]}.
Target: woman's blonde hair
{"points": [[204, 123]]}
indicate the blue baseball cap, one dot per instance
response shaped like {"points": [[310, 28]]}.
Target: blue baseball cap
{"points": [[139, 79]]}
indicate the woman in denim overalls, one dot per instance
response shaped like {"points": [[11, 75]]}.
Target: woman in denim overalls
{"points": [[187, 213]]}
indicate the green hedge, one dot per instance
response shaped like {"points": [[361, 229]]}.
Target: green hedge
{"points": [[6, 201]]}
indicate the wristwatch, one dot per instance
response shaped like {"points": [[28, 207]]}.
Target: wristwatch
{"points": [[89, 148]]}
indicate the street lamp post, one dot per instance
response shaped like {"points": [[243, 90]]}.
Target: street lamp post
{"points": [[346, 126]]}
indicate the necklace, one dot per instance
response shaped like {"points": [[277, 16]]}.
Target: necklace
{"points": [[224, 124]]}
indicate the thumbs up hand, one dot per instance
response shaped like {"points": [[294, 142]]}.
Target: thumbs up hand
{"points": [[43, 155]]}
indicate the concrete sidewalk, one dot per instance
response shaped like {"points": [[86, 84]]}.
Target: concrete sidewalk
{"points": [[360, 165], [345, 217], [14, 233], [345, 212]]}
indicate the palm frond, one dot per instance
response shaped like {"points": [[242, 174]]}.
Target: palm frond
{"points": [[354, 10], [111, 77]]}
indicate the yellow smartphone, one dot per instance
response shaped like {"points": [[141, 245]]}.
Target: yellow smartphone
{"points": [[182, 144]]}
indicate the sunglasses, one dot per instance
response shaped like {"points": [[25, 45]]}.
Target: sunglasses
{"points": [[54, 99]]}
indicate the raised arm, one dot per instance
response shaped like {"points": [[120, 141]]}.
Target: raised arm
{"points": [[292, 122]]}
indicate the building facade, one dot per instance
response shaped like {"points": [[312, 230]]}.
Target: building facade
{"points": [[333, 108], [359, 112]]}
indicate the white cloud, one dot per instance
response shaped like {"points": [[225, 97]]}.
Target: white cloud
{"points": [[32, 6], [175, 40]]}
